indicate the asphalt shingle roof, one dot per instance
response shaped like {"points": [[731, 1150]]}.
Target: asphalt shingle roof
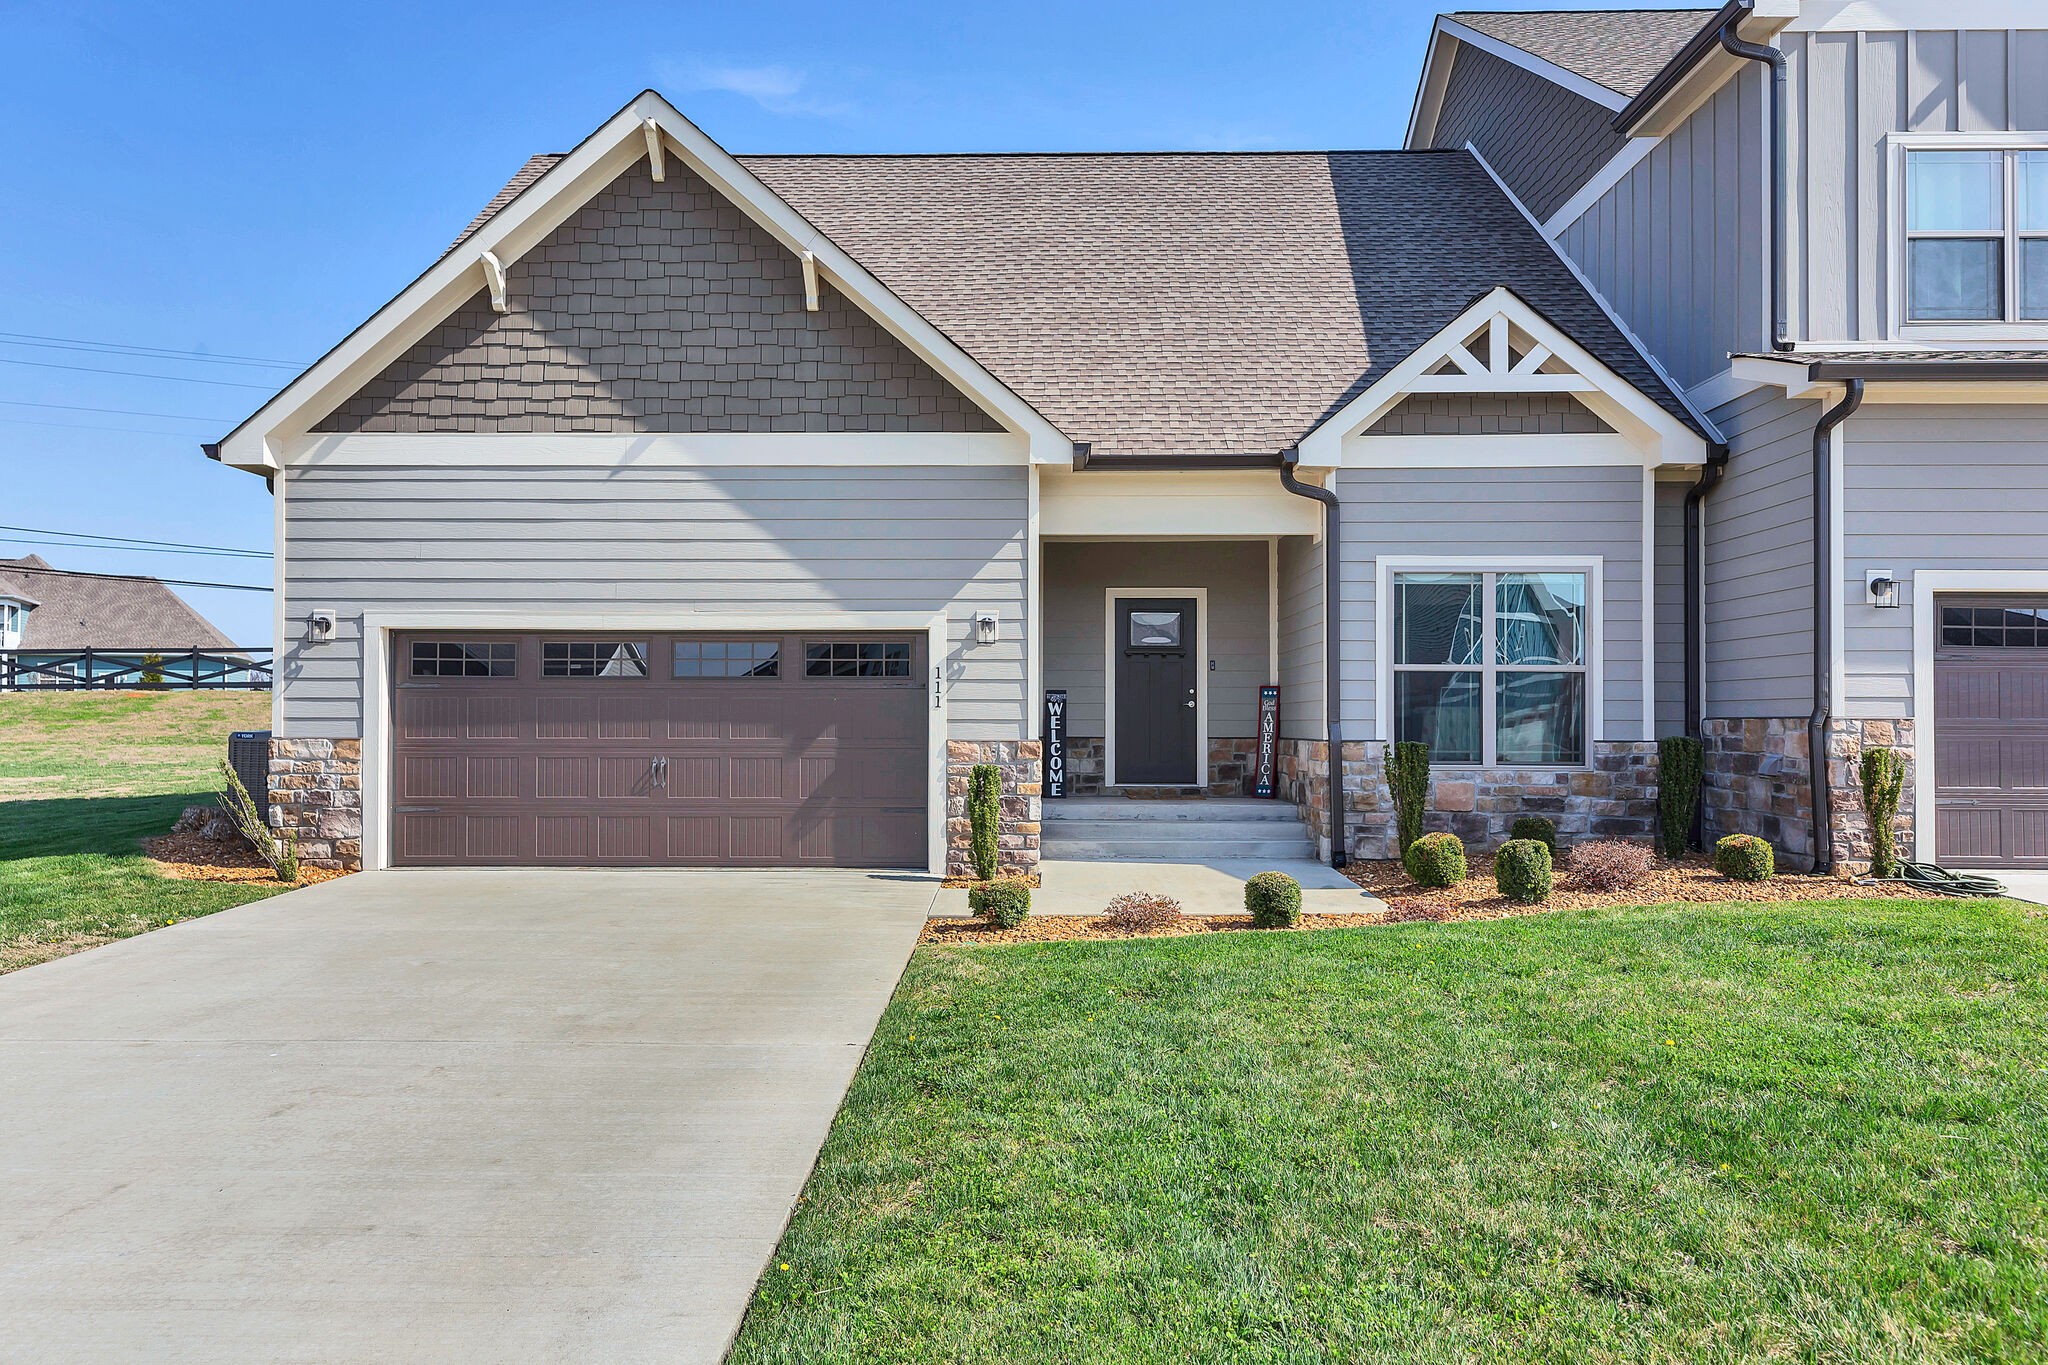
{"points": [[105, 611], [1620, 49]]}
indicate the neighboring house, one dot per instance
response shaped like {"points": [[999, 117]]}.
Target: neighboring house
{"points": [[707, 509], [64, 629], [1897, 302]]}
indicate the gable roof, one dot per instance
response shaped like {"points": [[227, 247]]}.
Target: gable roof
{"points": [[1623, 50], [105, 611]]}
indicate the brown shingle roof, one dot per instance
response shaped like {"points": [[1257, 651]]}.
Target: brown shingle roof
{"points": [[106, 611], [1620, 49], [534, 169]]}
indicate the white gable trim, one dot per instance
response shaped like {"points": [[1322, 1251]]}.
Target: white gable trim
{"points": [[1528, 61], [547, 203], [1558, 364]]}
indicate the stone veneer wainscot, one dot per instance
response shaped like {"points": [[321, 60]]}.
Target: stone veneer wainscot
{"points": [[316, 795], [1017, 830]]}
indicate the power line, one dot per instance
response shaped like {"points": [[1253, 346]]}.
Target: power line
{"points": [[111, 412], [138, 374], [71, 540], [122, 348], [144, 578], [93, 426], [135, 540]]}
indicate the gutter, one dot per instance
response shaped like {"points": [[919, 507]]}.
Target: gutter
{"points": [[1332, 639], [1927, 371], [1825, 591], [1729, 38], [1086, 458], [1680, 66]]}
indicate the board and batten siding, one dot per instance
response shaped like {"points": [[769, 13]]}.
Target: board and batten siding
{"points": [[1077, 577], [777, 541], [1544, 141], [1676, 247], [1669, 578], [1930, 488], [1496, 515], [1849, 90], [1303, 672], [1759, 561]]}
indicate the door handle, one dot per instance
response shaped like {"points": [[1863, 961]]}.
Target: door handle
{"points": [[657, 774], [1191, 699]]}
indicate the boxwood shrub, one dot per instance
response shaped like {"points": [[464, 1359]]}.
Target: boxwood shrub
{"points": [[1274, 899], [1002, 903], [1436, 860], [1537, 827], [1522, 871], [1744, 858]]}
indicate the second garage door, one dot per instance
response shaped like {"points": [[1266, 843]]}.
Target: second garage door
{"points": [[1991, 733], [652, 749]]}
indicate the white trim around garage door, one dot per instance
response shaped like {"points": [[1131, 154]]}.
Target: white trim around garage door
{"points": [[1926, 584], [1109, 598], [380, 627]]}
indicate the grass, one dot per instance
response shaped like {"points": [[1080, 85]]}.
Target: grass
{"points": [[1805, 1131], [72, 875]]}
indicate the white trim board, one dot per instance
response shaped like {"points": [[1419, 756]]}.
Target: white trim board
{"points": [[1924, 585], [1606, 178], [1109, 644], [665, 450], [379, 628], [1579, 85], [1879, 15]]}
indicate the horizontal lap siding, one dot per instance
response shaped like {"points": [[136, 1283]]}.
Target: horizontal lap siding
{"points": [[787, 541], [1670, 581], [1499, 515], [1759, 562], [1302, 671], [1931, 488]]}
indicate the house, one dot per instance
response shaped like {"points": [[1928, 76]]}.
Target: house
{"points": [[706, 509], [65, 629]]}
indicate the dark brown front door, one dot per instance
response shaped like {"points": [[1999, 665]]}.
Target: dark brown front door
{"points": [[649, 748], [1157, 682], [1991, 733]]}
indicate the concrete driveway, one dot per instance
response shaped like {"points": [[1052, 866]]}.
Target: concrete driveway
{"points": [[437, 1115]]}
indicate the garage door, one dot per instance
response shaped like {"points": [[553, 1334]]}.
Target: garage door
{"points": [[630, 749], [1991, 733]]}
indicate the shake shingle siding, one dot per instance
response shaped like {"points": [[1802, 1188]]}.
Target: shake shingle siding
{"points": [[658, 307], [1542, 139], [1496, 414], [1620, 49]]}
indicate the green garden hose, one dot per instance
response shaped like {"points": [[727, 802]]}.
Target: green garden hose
{"points": [[1928, 877]]}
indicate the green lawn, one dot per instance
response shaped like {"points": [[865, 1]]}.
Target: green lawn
{"points": [[1796, 1131], [84, 777]]}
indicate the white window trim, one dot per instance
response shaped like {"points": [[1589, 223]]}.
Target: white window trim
{"points": [[380, 639], [1898, 326], [1594, 568], [1109, 644]]}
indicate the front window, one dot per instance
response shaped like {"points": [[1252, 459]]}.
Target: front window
{"points": [[1976, 236], [1490, 668]]}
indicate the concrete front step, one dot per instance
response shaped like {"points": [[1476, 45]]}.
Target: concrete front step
{"points": [[1228, 831], [1122, 809], [1172, 849]]}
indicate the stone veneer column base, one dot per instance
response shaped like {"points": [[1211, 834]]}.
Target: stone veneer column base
{"points": [[316, 794], [1756, 783], [1233, 765], [1017, 830], [1847, 740]]}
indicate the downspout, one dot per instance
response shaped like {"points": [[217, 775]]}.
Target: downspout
{"points": [[1825, 590], [1332, 639], [1695, 573], [1781, 339]]}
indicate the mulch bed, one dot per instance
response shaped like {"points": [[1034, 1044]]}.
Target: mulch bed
{"points": [[196, 858], [1055, 928]]}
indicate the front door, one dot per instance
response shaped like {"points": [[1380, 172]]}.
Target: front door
{"points": [[1157, 682]]}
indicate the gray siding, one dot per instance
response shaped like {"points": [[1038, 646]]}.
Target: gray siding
{"points": [[1930, 488], [1495, 514], [1544, 140], [788, 541], [1676, 246], [1302, 670], [1670, 602], [1078, 574], [1848, 91], [1759, 558], [1488, 414]]}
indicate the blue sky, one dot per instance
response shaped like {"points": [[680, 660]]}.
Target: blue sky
{"points": [[254, 181]]}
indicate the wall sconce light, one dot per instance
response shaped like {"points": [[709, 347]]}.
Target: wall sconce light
{"points": [[1882, 587], [320, 625], [985, 627]]}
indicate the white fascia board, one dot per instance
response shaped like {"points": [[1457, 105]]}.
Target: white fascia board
{"points": [[665, 450], [544, 206], [1549, 71], [1606, 178], [1793, 376], [1761, 25], [1429, 91]]}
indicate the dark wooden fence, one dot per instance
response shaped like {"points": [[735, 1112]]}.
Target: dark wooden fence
{"points": [[149, 668]]}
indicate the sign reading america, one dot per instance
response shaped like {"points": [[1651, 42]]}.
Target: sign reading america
{"points": [[1269, 738]]}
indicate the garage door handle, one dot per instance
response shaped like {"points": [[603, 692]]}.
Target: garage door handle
{"points": [[416, 810]]}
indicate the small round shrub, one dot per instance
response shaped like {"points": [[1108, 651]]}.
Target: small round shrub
{"points": [[1537, 827], [1744, 858], [1140, 912], [1274, 899], [1611, 864], [1002, 903], [1522, 871], [1436, 860]]}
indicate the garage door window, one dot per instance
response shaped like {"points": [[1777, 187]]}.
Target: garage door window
{"points": [[1994, 627], [463, 659], [857, 659], [728, 659], [593, 659]]}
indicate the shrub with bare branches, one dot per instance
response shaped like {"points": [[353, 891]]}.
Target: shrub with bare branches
{"points": [[1611, 864], [1141, 912], [281, 854]]}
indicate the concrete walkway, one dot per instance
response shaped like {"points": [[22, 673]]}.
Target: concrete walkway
{"points": [[433, 1116], [1212, 887]]}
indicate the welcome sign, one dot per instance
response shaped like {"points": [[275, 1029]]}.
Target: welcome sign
{"points": [[1269, 738], [1054, 783]]}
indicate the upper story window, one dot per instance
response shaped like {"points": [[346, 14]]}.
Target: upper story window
{"points": [[1976, 236]]}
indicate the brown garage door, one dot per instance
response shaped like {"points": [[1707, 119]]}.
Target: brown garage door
{"points": [[636, 748], [1991, 733]]}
